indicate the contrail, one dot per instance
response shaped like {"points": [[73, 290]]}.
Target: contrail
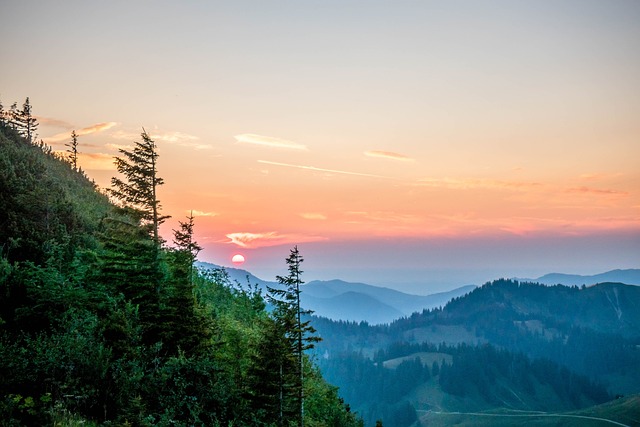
{"points": [[313, 168]]}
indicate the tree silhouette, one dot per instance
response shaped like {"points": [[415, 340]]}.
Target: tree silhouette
{"points": [[73, 150], [299, 333], [142, 181]]}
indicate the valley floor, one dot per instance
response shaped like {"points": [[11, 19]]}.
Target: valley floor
{"points": [[621, 412]]}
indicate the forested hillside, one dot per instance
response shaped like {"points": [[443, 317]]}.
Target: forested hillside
{"points": [[102, 322], [506, 344]]}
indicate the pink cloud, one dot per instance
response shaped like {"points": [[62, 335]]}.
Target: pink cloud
{"points": [[66, 136], [270, 238]]}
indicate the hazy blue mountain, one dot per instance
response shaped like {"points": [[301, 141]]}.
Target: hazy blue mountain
{"points": [[239, 275], [630, 277], [575, 338], [340, 300], [351, 306], [403, 303]]}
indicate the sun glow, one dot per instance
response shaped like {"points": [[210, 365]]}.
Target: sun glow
{"points": [[238, 259]]}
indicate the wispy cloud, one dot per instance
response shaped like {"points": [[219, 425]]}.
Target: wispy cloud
{"points": [[599, 176], [465, 184], [197, 213], [596, 191], [385, 216], [174, 137], [92, 161], [271, 238], [316, 169], [313, 216], [66, 136], [388, 155], [48, 121], [268, 141]]}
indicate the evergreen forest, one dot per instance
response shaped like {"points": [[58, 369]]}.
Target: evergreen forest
{"points": [[103, 322]]}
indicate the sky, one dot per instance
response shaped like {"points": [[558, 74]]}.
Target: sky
{"points": [[418, 145]]}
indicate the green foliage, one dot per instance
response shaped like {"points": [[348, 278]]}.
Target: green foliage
{"points": [[101, 325], [73, 150], [139, 189], [296, 335]]}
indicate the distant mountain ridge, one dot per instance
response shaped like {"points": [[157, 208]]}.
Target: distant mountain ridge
{"points": [[351, 295], [629, 277], [340, 300], [592, 331]]}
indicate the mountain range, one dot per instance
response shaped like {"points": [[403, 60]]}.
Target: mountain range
{"points": [[629, 276], [340, 300], [507, 344], [357, 302]]}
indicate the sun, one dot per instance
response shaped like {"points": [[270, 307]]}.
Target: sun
{"points": [[237, 259]]}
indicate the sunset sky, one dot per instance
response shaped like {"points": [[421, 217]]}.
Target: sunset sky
{"points": [[412, 144]]}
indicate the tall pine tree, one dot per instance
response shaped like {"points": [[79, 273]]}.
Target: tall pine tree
{"points": [[186, 329], [139, 191], [299, 333], [73, 150], [24, 121]]}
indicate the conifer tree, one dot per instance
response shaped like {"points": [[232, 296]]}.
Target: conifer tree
{"points": [[139, 191], [129, 265], [73, 150], [299, 333], [185, 329], [11, 116], [24, 121], [186, 246]]}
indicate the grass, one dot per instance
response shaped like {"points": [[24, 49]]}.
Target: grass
{"points": [[624, 411]]}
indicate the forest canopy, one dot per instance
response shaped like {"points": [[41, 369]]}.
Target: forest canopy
{"points": [[103, 322]]}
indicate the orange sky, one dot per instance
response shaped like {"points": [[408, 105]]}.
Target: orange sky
{"points": [[331, 123]]}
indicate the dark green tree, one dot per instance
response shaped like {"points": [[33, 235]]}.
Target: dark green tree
{"points": [[269, 375], [130, 265], [186, 330], [26, 124], [10, 116], [73, 150], [186, 248], [299, 332], [139, 191]]}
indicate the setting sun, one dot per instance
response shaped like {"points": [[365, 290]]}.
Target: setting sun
{"points": [[237, 259]]}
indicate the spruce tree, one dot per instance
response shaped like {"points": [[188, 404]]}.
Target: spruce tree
{"points": [[73, 150], [186, 247], [139, 191], [185, 330], [11, 116], [299, 333], [129, 266], [24, 121]]}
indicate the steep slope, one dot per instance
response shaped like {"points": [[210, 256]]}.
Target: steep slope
{"points": [[43, 202], [612, 308], [587, 336], [99, 325]]}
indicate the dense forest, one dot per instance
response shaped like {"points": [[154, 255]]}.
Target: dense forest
{"points": [[103, 322], [506, 344]]}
